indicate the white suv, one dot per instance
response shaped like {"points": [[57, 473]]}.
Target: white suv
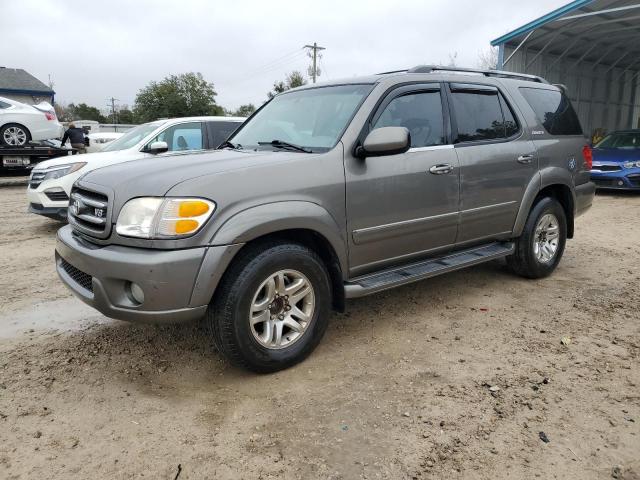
{"points": [[50, 181]]}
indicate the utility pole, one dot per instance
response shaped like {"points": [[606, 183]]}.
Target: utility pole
{"points": [[113, 112], [314, 71]]}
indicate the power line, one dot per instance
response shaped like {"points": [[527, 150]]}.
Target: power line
{"points": [[313, 53]]}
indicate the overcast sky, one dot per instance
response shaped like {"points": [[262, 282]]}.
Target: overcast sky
{"points": [[95, 50]]}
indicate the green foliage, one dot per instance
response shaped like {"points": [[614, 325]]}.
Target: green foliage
{"points": [[242, 111], [293, 80], [185, 95], [126, 116], [82, 111]]}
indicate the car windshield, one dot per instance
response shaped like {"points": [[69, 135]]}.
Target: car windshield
{"points": [[622, 140], [313, 119], [132, 137]]}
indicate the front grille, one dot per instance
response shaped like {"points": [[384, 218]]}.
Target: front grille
{"points": [[88, 210], [605, 183], [634, 179], [57, 196], [36, 178], [78, 276], [607, 168]]}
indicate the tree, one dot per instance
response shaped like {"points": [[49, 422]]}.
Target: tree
{"points": [[188, 94], [242, 111], [488, 59], [125, 115], [82, 111], [293, 80]]}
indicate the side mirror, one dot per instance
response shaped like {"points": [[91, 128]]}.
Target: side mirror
{"points": [[156, 147], [385, 141]]}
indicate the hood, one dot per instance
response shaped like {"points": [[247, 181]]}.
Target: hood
{"points": [[155, 176], [615, 155], [96, 160]]}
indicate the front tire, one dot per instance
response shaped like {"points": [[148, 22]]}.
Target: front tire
{"points": [[272, 307], [14, 135], [541, 245]]}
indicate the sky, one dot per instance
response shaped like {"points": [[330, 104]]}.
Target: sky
{"points": [[97, 50]]}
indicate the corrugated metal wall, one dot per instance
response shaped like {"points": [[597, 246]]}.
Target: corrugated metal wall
{"points": [[603, 99]]}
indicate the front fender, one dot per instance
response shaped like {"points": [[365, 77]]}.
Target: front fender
{"points": [[279, 216]]}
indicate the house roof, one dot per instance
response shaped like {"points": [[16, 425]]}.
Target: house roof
{"points": [[605, 32], [21, 81]]}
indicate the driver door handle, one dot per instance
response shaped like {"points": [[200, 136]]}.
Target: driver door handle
{"points": [[525, 158], [441, 169]]}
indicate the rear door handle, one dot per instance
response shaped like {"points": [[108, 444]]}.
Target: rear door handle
{"points": [[525, 158], [441, 169]]}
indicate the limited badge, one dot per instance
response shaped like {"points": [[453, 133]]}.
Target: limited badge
{"points": [[572, 163]]}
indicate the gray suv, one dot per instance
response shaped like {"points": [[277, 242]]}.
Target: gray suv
{"points": [[328, 192]]}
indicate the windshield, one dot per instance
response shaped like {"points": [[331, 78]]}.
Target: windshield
{"points": [[312, 118], [626, 140], [132, 137]]}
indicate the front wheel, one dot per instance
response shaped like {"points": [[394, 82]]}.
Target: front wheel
{"points": [[14, 135], [272, 307], [541, 245]]}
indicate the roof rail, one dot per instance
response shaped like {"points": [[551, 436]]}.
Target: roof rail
{"points": [[486, 73]]}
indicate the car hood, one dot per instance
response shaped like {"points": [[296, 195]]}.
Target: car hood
{"points": [[95, 160], [615, 155], [157, 175]]}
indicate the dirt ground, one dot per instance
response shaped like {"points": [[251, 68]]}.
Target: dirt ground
{"points": [[399, 388]]}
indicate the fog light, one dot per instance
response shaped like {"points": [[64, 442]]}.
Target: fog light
{"points": [[620, 183], [136, 292]]}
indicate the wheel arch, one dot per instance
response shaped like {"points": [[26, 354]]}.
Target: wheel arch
{"points": [[555, 183]]}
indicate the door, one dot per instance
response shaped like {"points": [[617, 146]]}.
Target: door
{"points": [[497, 161], [401, 207]]}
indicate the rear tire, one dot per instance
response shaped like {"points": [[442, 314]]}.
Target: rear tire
{"points": [[541, 245], [14, 135], [257, 316]]}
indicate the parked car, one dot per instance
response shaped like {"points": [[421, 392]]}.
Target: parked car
{"points": [[97, 141], [50, 181], [616, 161], [328, 192], [21, 123]]}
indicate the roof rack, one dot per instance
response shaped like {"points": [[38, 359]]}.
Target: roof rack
{"points": [[486, 73]]}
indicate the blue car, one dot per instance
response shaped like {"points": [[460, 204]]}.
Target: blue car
{"points": [[616, 161]]}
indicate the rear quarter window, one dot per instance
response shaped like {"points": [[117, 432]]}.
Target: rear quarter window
{"points": [[554, 111], [4, 104]]}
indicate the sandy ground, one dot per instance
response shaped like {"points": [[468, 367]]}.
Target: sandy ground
{"points": [[399, 387]]}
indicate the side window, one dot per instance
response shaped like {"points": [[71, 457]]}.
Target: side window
{"points": [[553, 110], [4, 104], [478, 115], [220, 131], [185, 136], [510, 122], [421, 113]]}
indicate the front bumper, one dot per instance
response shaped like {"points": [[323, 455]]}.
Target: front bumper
{"points": [[177, 284], [626, 179], [56, 213]]}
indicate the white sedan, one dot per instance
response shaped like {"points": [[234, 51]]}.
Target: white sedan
{"points": [[21, 123], [51, 181]]}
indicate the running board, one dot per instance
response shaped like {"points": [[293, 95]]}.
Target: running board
{"points": [[394, 277]]}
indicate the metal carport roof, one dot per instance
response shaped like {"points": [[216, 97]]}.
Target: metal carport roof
{"points": [[592, 46]]}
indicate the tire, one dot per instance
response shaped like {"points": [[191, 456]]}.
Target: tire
{"points": [[528, 260], [15, 132], [247, 285]]}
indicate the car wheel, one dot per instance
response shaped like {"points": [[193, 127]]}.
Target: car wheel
{"points": [[541, 245], [272, 307], [14, 135]]}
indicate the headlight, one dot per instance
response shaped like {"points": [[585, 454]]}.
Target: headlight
{"points": [[62, 170], [632, 164], [153, 217]]}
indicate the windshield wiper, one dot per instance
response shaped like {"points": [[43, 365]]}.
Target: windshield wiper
{"points": [[281, 144], [228, 144]]}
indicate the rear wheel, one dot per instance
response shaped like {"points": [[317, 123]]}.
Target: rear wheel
{"points": [[272, 307], [14, 135], [541, 245]]}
